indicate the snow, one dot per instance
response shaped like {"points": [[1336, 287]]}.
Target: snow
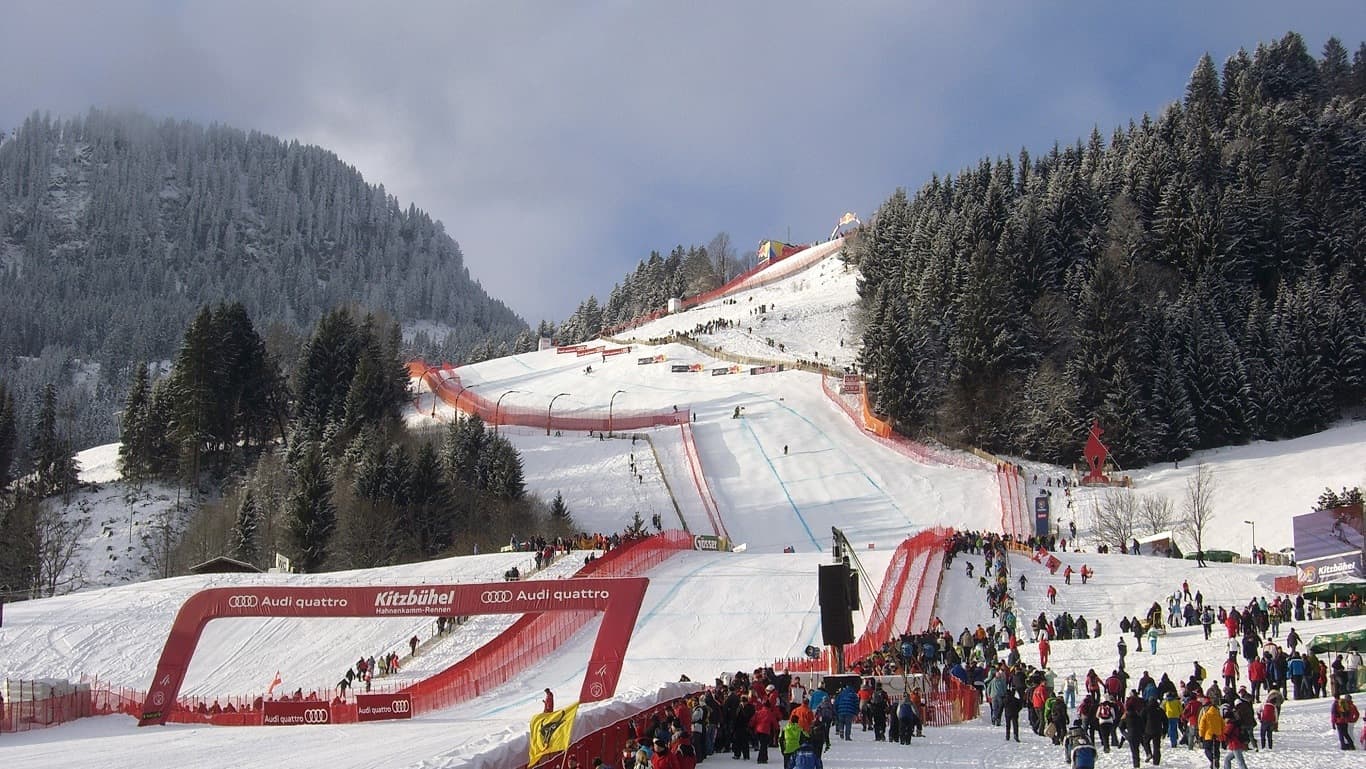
{"points": [[704, 613]]}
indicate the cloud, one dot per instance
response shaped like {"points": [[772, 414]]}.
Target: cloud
{"points": [[560, 142]]}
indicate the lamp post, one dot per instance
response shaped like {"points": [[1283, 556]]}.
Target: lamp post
{"points": [[498, 404], [547, 411], [609, 411], [1253, 524]]}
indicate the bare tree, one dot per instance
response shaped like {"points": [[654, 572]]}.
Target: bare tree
{"points": [[1155, 513], [1197, 509], [58, 533], [723, 255], [1113, 516]]}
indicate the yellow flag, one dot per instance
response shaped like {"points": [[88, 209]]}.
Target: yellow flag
{"points": [[550, 732]]}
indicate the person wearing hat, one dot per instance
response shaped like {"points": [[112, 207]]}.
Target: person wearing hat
{"points": [[661, 758], [1343, 715]]}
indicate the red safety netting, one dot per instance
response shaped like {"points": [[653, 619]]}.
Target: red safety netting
{"points": [[445, 383], [533, 636], [904, 603], [34, 705], [699, 479], [881, 431], [1010, 487]]}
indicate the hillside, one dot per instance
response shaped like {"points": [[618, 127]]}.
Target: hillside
{"points": [[116, 228]]}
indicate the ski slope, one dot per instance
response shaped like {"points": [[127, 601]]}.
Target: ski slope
{"points": [[704, 613]]}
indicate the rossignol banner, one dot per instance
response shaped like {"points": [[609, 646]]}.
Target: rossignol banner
{"points": [[618, 599], [383, 707], [292, 713]]}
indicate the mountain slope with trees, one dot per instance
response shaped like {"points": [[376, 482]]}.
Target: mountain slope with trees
{"points": [[116, 229], [1196, 281]]}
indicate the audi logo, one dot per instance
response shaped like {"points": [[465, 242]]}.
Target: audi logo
{"points": [[244, 602], [496, 596], [401, 706], [315, 716]]}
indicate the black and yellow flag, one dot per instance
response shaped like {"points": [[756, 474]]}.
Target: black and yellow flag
{"points": [[550, 732]]}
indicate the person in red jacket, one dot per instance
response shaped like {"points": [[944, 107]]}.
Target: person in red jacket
{"points": [[1256, 673], [1343, 715], [661, 758], [1234, 744], [763, 725], [549, 700], [1044, 648]]}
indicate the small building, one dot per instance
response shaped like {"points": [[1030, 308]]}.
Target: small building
{"points": [[224, 565], [675, 305], [1162, 544]]}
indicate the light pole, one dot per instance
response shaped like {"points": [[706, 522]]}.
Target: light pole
{"points": [[547, 411], [497, 405], [1253, 524], [609, 411]]}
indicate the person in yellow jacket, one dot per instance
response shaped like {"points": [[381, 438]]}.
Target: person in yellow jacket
{"points": [[1211, 731], [1171, 707]]}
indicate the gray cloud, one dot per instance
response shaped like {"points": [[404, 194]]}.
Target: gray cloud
{"points": [[559, 142]]}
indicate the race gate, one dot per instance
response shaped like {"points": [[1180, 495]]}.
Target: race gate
{"points": [[618, 598]]}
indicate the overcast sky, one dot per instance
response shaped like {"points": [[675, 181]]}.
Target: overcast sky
{"points": [[560, 142]]}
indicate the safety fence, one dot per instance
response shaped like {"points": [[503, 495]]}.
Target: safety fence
{"points": [[734, 284], [881, 431], [903, 604], [30, 705], [533, 636], [446, 385], [1010, 488], [699, 479]]}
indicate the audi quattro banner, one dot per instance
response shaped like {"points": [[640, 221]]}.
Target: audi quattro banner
{"points": [[383, 707], [291, 713], [617, 598]]}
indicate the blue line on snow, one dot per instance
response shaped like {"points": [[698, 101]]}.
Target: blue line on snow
{"points": [[824, 435], [779, 478]]}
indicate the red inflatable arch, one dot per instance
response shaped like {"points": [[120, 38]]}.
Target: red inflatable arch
{"points": [[618, 598]]}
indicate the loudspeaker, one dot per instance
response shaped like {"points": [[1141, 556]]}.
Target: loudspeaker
{"points": [[837, 623], [853, 591]]}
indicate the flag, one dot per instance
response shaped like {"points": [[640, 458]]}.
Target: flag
{"points": [[550, 732], [273, 684]]}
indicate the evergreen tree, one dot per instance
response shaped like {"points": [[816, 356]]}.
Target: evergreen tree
{"points": [[8, 435], [54, 463], [311, 517], [1172, 417], [137, 433], [246, 531], [326, 371], [503, 476], [560, 511], [432, 509]]}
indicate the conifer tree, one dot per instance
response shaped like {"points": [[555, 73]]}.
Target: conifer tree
{"points": [[503, 476], [136, 435], [311, 517], [560, 511], [8, 435], [246, 531], [54, 464], [432, 508]]}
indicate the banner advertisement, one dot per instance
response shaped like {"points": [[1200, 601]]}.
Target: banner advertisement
{"points": [[1329, 569], [720, 371], [645, 361], [383, 707], [680, 368], [852, 384], [292, 713], [706, 542], [1041, 505], [1328, 544], [763, 370]]}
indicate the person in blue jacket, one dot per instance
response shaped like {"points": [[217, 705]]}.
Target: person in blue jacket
{"points": [[846, 707]]}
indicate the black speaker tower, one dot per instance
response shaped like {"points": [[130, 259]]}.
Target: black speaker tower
{"points": [[837, 619]]}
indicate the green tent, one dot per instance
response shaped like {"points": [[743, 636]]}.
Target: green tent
{"points": [[1337, 642], [1335, 590]]}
